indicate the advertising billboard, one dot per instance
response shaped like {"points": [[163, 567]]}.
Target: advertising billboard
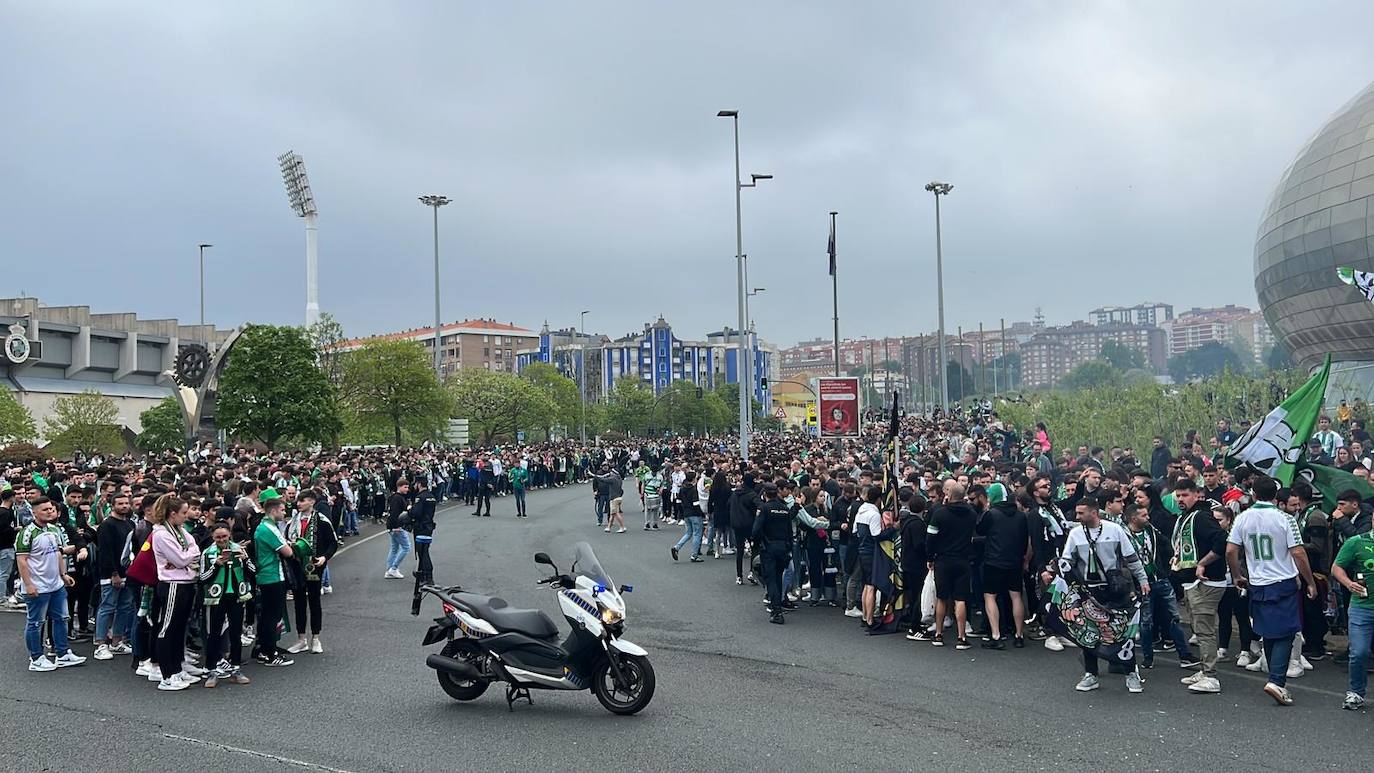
{"points": [[839, 406]]}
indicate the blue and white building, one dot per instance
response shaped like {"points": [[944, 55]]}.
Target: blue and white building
{"points": [[656, 358]]}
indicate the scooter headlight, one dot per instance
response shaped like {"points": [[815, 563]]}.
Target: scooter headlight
{"points": [[610, 616]]}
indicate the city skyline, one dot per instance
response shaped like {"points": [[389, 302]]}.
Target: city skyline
{"points": [[575, 178]]}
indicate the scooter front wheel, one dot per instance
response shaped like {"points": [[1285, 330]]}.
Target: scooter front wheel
{"points": [[630, 697], [457, 688]]}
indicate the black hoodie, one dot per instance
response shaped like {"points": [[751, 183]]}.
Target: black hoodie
{"points": [[950, 534], [1006, 536]]}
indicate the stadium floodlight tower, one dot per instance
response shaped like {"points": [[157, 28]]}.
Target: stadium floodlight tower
{"points": [[303, 204]]}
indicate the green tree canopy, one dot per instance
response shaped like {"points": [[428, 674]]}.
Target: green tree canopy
{"points": [[499, 405], [1122, 357], [87, 422], [1094, 373], [566, 396], [629, 405], [16, 423], [1278, 358], [272, 390], [164, 427], [1210, 359], [391, 384]]}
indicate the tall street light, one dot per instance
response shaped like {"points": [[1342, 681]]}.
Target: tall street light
{"points": [[753, 340], [202, 287], [435, 202], [742, 355], [582, 371], [302, 201], [941, 189]]}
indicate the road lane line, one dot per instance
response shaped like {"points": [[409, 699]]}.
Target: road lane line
{"points": [[252, 753]]}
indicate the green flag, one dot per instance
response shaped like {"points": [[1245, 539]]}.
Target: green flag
{"points": [[1362, 280], [1275, 445], [1331, 481]]}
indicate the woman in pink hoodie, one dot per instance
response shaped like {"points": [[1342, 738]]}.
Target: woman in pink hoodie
{"points": [[177, 557]]}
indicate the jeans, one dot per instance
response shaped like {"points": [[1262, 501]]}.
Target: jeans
{"points": [[694, 524], [117, 608], [1361, 625], [50, 606], [1162, 606], [603, 508], [1278, 652], [351, 521], [400, 547], [1204, 600], [792, 575], [520, 500], [6, 566]]}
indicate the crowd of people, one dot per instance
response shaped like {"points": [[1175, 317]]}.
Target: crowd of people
{"points": [[982, 535]]}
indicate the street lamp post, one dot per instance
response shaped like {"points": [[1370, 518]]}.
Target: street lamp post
{"points": [[582, 371], [941, 189], [434, 202], [202, 288], [751, 380], [302, 201], [742, 354]]}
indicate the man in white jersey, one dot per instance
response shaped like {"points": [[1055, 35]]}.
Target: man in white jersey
{"points": [[1267, 538]]}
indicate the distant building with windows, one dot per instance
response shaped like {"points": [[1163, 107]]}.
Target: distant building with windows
{"points": [[1152, 314], [1055, 351], [655, 357], [472, 343]]}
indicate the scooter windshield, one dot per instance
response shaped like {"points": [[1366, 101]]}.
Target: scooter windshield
{"points": [[586, 565]]}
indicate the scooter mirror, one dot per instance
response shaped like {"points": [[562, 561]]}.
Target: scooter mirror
{"points": [[543, 558], [627, 588]]}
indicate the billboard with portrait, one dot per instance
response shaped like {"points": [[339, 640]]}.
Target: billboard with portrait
{"points": [[839, 406]]}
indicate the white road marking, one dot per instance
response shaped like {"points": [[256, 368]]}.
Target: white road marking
{"points": [[252, 753]]}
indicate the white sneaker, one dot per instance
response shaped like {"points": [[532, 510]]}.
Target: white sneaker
{"points": [[1087, 684], [69, 658], [300, 646], [1134, 683], [1191, 678], [171, 683], [853, 612], [1244, 659], [1295, 670], [1205, 685], [103, 652], [1053, 644], [188, 667], [316, 646], [155, 675], [188, 678], [620, 530], [1221, 653], [1258, 664], [121, 648], [247, 639], [41, 663], [1305, 663], [1281, 695], [326, 589], [145, 667], [1193, 639]]}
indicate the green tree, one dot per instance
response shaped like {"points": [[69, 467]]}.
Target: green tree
{"points": [[680, 410], [16, 423], [1278, 358], [1210, 359], [1122, 357], [272, 390], [628, 407], [391, 383], [564, 392], [499, 405], [1094, 373], [87, 422], [729, 395], [164, 427], [327, 336]]}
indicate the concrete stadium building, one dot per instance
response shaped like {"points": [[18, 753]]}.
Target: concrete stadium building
{"points": [[70, 350], [1320, 217]]}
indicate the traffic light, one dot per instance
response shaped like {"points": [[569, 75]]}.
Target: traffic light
{"points": [[763, 383]]}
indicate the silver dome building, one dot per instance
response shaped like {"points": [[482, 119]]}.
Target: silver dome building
{"points": [[1321, 216]]}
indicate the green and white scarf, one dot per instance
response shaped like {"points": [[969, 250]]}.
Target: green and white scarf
{"points": [[1185, 548], [228, 577]]}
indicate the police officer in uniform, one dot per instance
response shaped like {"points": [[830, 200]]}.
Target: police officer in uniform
{"points": [[773, 530]]}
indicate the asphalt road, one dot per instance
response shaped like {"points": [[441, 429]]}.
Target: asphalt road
{"points": [[734, 692]]}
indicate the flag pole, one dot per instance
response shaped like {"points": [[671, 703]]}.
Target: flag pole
{"points": [[835, 306]]}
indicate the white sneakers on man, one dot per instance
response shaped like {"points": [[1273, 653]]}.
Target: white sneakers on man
{"points": [[41, 663], [69, 658], [103, 652]]}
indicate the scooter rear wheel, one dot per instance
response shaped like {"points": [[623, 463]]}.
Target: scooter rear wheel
{"points": [[463, 689], [629, 698]]}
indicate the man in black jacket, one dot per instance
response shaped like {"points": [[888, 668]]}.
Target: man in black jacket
{"points": [[743, 506], [913, 527], [949, 548], [1006, 556], [1159, 459], [422, 526], [1200, 567], [113, 616]]}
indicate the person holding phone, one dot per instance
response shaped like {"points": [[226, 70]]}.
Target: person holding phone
{"points": [[1354, 569]]}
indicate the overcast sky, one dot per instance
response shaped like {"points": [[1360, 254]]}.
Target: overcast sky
{"points": [[1102, 153]]}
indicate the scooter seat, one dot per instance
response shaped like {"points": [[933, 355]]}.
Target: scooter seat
{"points": [[504, 618]]}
